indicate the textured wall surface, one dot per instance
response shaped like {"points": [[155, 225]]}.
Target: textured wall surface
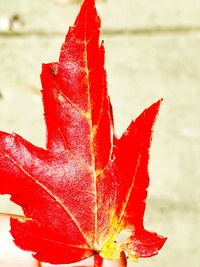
{"points": [[152, 51]]}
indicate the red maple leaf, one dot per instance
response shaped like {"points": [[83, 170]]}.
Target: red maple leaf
{"points": [[88, 186]]}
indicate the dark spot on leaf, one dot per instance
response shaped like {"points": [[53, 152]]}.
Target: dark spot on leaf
{"points": [[54, 69]]}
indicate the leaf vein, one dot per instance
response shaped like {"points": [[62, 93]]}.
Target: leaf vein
{"points": [[49, 192]]}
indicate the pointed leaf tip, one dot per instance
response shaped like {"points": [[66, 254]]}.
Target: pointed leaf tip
{"points": [[152, 111], [88, 15]]}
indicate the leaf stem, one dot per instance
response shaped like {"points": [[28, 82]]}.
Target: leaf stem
{"points": [[98, 260], [38, 263]]}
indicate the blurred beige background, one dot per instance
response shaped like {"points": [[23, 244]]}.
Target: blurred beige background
{"points": [[152, 51]]}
